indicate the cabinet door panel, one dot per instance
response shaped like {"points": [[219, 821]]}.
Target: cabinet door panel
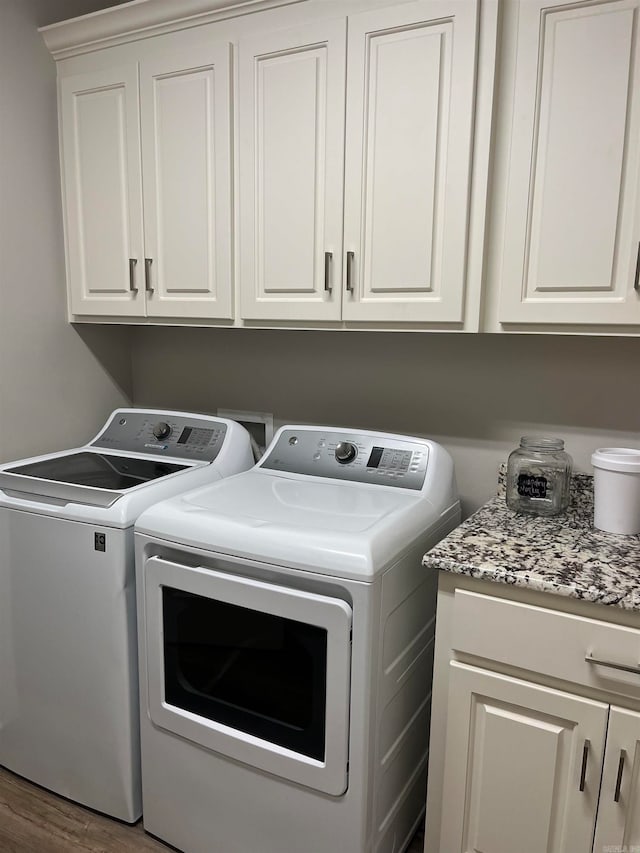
{"points": [[186, 138], [291, 137], [410, 96], [619, 822], [573, 220], [513, 764], [102, 191]]}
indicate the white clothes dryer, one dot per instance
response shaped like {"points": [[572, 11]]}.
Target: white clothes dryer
{"points": [[286, 647], [69, 715]]}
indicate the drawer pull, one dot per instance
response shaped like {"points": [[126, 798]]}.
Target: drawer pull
{"points": [[589, 658], [585, 757], [616, 796]]}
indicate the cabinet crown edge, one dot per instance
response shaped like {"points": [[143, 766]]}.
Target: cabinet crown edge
{"points": [[118, 24]]}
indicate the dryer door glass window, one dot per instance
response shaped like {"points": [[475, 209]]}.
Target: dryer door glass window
{"points": [[252, 671]]}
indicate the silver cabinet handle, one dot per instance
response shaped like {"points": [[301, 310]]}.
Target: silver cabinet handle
{"points": [[350, 259], [147, 274], [616, 796], [132, 273], [585, 757], [328, 257], [636, 283], [625, 667]]}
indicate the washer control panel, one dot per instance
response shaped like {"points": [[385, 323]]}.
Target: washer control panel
{"points": [[360, 458], [163, 434]]}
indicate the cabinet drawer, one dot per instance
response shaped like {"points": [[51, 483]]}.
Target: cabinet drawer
{"points": [[547, 641]]}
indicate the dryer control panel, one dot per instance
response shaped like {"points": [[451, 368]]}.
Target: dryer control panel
{"points": [[163, 434], [359, 457]]}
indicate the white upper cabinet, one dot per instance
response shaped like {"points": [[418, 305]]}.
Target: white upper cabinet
{"points": [[572, 226], [304, 162], [328, 162], [163, 125], [365, 219], [186, 157], [102, 187], [410, 107], [290, 163]]}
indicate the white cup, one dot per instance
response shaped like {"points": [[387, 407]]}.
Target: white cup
{"points": [[616, 489]]}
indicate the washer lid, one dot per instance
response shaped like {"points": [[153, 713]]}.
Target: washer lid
{"points": [[101, 470], [85, 476], [343, 529]]}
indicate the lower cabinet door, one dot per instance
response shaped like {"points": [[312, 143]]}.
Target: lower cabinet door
{"points": [[522, 768], [618, 826]]}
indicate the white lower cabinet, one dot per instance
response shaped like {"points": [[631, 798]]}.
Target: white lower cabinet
{"points": [[523, 766], [147, 186], [518, 765], [619, 811], [358, 209]]}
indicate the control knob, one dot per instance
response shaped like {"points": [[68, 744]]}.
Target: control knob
{"points": [[161, 430], [345, 452]]}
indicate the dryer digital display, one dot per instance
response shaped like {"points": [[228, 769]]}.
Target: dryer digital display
{"points": [[385, 457]]}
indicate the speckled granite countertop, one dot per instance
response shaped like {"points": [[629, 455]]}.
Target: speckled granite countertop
{"points": [[564, 555]]}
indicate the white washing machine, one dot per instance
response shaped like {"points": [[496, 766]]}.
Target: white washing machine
{"points": [[286, 646], [69, 715]]}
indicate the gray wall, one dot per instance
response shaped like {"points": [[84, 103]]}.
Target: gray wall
{"points": [[56, 384], [477, 394], [52, 11]]}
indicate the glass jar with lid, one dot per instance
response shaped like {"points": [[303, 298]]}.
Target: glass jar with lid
{"points": [[538, 476]]}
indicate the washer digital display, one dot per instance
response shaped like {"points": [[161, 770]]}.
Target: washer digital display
{"points": [[195, 436], [376, 456]]}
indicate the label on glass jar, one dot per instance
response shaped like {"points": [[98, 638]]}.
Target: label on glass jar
{"points": [[530, 486]]}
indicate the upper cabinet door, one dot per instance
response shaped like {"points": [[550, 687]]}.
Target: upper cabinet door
{"points": [[410, 107], [186, 154], [573, 198], [103, 192], [290, 161]]}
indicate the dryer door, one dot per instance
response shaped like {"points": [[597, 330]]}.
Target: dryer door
{"points": [[252, 670]]}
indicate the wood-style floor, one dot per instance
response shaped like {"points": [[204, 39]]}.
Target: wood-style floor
{"points": [[33, 820]]}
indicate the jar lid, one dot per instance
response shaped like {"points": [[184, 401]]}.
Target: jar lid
{"points": [[617, 459], [542, 442]]}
